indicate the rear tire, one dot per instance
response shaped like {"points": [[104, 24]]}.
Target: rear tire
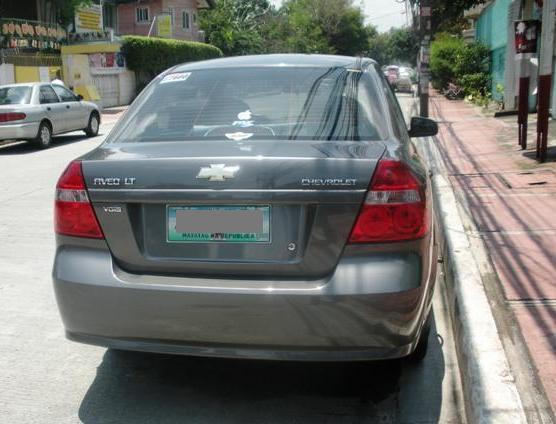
{"points": [[94, 123], [421, 349], [44, 136]]}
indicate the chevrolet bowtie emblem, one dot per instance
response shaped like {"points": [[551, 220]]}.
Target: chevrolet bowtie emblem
{"points": [[218, 172]]}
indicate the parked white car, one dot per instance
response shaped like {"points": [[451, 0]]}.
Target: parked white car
{"points": [[37, 111], [404, 83]]}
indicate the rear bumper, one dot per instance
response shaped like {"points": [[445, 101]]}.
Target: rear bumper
{"points": [[372, 309], [19, 131]]}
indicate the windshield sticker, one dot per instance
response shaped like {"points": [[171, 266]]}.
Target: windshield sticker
{"points": [[237, 136], [244, 116], [179, 76], [244, 119]]}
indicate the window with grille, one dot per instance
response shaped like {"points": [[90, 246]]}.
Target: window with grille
{"points": [[185, 20], [142, 14]]}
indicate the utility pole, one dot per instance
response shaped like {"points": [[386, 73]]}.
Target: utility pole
{"points": [[526, 42], [425, 13], [545, 76]]}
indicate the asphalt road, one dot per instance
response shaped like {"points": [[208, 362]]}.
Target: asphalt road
{"points": [[46, 379]]}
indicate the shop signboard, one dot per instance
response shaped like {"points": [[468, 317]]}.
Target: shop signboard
{"points": [[164, 25], [88, 19], [526, 36]]}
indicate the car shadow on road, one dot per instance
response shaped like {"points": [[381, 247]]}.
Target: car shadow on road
{"points": [[149, 388], [26, 147]]}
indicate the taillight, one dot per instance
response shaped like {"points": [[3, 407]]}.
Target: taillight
{"points": [[395, 208], [11, 116], [73, 212]]}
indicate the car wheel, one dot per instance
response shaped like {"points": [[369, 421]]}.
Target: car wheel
{"points": [[92, 128], [420, 351], [44, 136]]}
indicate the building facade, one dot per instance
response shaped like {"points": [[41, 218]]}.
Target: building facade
{"points": [[176, 19], [492, 29], [26, 28], [493, 24]]}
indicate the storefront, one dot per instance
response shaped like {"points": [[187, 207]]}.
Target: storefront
{"points": [[97, 71], [29, 51]]}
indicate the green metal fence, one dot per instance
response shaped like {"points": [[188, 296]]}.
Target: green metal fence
{"points": [[18, 58]]}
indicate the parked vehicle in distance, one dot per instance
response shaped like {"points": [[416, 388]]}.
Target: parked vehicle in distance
{"points": [[404, 81], [392, 74], [37, 111], [263, 207]]}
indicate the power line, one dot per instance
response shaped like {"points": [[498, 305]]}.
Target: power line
{"points": [[385, 16]]}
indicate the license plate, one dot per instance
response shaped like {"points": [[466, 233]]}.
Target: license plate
{"points": [[222, 224]]}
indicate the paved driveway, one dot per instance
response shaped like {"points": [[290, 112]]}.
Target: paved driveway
{"points": [[46, 379]]}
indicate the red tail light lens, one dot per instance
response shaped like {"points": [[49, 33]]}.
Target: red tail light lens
{"points": [[395, 207], [12, 116], [73, 212]]}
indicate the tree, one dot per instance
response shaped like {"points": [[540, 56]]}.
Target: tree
{"points": [[300, 26], [303, 31], [234, 25], [61, 10], [399, 45], [353, 37], [378, 46], [403, 45], [338, 23]]}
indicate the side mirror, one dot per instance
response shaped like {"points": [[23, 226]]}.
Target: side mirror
{"points": [[422, 127], [79, 97]]}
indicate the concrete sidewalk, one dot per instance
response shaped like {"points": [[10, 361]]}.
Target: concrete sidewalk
{"points": [[512, 202]]}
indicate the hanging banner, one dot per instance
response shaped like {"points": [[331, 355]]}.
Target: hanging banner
{"points": [[88, 19], [106, 63], [17, 33], [526, 36]]}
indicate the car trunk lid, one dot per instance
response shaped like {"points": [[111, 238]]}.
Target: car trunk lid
{"points": [[308, 192]]}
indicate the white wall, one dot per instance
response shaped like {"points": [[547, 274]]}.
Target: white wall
{"points": [[7, 73], [127, 87], [511, 77]]}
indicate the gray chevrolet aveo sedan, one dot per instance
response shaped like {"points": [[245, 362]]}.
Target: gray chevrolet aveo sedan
{"points": [[268, 207]]}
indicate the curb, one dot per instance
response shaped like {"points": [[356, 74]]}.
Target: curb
{"points": [[489, 388]]}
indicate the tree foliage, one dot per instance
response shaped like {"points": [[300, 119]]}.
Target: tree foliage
{"points": [[397, 46], [453, 60], [302, 26], [234, 25], [63, 10]]}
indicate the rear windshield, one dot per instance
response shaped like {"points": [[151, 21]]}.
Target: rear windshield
{"points": [[257, 103], [15, 95]]}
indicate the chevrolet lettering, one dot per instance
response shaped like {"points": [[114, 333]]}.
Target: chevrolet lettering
{"points": [[328, 182]]}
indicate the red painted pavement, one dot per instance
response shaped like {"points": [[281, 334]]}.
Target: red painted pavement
{"points": [[112, 114], [512, 200]]}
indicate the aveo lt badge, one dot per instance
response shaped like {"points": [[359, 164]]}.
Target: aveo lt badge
{"points": [[218, 172], [114, 181]]}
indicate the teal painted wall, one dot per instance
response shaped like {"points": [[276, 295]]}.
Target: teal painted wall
{"points": [[491, 29], [492, 25]]}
